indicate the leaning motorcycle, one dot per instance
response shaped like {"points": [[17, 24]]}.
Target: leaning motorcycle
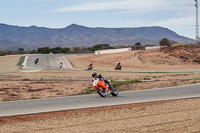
{"points": [[118, 68], [36, 61], [104, 89], [89, 68]]}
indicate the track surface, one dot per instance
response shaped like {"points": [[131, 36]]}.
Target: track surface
{"points": [[49, 61], [87, 101]]}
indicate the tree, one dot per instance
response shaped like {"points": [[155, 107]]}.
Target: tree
{"points": [[55, 50], [2, 53], [76, 49], [20, 50], [100, 47], [44, 50], [165, 42], [138, 45], [64, 50]]}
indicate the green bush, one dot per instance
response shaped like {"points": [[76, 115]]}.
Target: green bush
{"points": [[89, 90], [119, 83], [2, 54]]}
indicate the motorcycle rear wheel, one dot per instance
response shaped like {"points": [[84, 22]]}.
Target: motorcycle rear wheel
{"points": [[101, 93]]}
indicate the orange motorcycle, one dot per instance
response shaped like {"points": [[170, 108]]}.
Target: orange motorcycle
{"points": [[104, 88], [118, 67]]}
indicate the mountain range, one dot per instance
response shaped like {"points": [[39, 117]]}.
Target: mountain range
{"points": [[29, 38]]}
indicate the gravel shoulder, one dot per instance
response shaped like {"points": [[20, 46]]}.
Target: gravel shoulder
{"points": [[157, 117]]}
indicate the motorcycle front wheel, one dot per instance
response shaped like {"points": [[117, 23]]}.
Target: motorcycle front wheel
{"points": [[114, 92], [101, 92]]}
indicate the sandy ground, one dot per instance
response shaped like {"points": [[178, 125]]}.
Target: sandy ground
{"points": [[9, 63], [21, 90], [177, 116], [132, 60]]}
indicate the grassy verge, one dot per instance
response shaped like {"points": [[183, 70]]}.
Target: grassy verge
{"points": [[89, 90], [195, 82], [21, 60], [119, 83]]}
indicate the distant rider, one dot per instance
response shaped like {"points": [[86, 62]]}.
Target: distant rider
{"points": [[118, 66], [60, 65], [89, 67], [36, 60]]}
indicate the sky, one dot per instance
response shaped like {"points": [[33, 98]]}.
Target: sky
{"points": [[176, 15]]}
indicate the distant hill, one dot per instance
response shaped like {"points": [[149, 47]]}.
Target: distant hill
{"points": [[13, 37]]}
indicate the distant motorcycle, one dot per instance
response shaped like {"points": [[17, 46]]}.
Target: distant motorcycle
{"points": [[89, 67], [60, 66], [118, 67], [36, 61]]}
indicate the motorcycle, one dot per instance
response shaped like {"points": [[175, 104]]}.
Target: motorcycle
{"points": [[89, 68], [59, 66], [104, 88], [118, 67], [36, 61]]}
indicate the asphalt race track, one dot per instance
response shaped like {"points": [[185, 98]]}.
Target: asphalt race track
{"points": [[47, 61], [51, 61], [22, 107]]}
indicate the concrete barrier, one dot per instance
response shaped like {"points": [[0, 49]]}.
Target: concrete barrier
{"points": [[154, 47], [112, 51]]}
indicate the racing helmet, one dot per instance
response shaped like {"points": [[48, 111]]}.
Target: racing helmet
{"points": [[94, 74]]}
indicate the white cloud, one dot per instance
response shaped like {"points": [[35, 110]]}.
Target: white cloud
{"points": [[177, 23], [182, 22], [128, 22], [183, 26], [136, 5]]}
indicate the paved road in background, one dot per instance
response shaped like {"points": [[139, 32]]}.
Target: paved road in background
{"points": [[47, 61], [22, 107]]}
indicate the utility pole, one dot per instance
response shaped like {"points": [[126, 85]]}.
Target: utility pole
{"points": [[197, 23], [128, 41], [118, 32]]}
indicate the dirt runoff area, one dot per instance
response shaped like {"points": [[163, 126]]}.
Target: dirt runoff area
{"points": [[9, 63], [58, 83], [165, 59], [176, 116]]}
